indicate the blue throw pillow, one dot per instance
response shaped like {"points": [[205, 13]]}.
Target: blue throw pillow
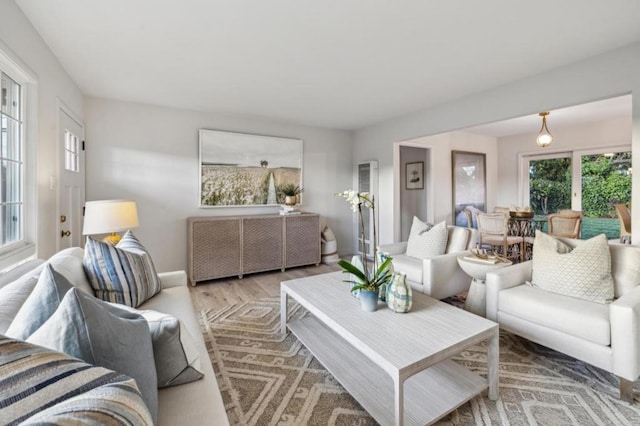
{"points": [[123, 273]]}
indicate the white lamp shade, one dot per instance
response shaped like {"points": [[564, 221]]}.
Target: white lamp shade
{"points": [[105, 216]]}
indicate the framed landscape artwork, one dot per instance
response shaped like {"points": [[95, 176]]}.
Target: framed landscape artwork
{"points": [[469, 182], [238, 169], [414, 175]]}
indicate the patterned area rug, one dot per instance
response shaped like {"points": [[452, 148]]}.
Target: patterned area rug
{"points": [[266, 379]]}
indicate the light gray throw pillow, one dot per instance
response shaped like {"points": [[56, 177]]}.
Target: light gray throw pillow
{"points": [[583, 273], [41, 303], [425, 244], [176, 356], [95, 332]]}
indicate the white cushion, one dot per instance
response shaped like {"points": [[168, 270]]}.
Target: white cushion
{"points": [[428, 244], [580, 318], [412, 266], [458, 239], [584, 272]]}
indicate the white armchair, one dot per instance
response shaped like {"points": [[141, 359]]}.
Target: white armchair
{"points": [[439, 276], [604, 335]]}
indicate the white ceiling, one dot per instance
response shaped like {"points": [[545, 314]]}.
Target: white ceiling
{"points": [[330, 63], [566, 117]]}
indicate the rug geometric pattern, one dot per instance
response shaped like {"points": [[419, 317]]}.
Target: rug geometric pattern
{"points": [[268, 379]]}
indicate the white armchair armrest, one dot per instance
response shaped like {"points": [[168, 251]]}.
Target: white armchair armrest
{"points": [[173, 279], [502, 279], [442, 276], [624, 315], [391, 249]]}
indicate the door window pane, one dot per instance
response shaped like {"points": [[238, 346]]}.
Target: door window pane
{"points": [[550, 185], [606, 181], [71, 152]]}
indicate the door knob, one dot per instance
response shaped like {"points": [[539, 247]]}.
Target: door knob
{"points": [[65, 233]]}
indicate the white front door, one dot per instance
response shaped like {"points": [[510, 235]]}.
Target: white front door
{"points": [[71, 184]]}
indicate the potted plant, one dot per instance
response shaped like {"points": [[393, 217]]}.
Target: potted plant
{"points": [[368, 279], [290, 192]]}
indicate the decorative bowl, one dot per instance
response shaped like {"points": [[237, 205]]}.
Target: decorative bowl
{"points": [[522, 215]]}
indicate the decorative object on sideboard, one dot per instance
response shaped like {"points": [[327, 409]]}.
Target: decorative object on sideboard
{"points": [[239, 169], [110, 217], [544, 138], [290, 193], [399, 295], [372, 274]]}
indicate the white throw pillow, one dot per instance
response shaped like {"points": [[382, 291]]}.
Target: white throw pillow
{"points": [[583, 273], [427, 243]]}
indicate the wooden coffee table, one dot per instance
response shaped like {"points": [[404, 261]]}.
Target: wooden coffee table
{"points": [[396, 365]]}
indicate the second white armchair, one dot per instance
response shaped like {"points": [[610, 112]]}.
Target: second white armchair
{"points": [[439, 276]]}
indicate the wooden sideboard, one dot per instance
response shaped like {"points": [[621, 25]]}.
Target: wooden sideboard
{"points": [[223, 246]]}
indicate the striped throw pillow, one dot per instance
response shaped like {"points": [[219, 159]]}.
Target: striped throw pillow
{"points": [[123, 273], [40, 386]]}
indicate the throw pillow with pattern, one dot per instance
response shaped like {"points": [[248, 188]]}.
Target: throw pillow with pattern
{"points": [[427, 243], [123, 273], [583, 273]]}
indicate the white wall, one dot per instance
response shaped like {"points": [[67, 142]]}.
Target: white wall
{"points": [[150, 154], [607, 133], [611, 74], [24, 45], [413, 202], [439, 178]]}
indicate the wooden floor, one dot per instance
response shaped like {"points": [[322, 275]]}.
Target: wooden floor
{"points": [[219, 293]]}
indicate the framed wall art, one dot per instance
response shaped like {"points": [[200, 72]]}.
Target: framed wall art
{"points": [[414, 177], [238, 169], [469, 183]]}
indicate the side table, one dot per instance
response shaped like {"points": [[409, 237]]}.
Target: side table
{"points": [[477, 269]]}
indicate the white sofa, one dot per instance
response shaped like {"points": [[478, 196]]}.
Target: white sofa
{"points": [[604, 335], [439, 276], [193, 403]]}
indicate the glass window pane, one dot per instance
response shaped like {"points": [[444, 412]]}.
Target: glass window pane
{"points": [[550, 185], [606, 181], [10, 138], [10, 184], [10, 218], [10, 96]]}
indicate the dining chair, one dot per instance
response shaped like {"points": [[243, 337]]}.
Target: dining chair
{"points": [[624, 217], [494, 232], [566, 224]]}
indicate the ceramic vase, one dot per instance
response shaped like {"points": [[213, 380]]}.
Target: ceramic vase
{"points": [[369, 300], [357, 262], [382, 293], [399, 296]]}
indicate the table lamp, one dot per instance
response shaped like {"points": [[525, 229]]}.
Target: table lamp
{"points": [[109, 217]]}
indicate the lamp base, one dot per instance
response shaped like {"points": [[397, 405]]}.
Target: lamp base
{"points": [[112, 239]]}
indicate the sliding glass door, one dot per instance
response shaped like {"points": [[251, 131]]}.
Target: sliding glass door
{"points": [[589, 181]]}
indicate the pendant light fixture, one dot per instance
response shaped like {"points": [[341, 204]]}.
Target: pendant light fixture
{"points": [[544, 138]]}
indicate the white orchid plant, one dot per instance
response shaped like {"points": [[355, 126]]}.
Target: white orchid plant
{"points": [[372, 276]]}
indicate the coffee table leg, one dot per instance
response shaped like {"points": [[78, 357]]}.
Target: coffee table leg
{"points": [[283, 311], [492, 365], [399, 400]]}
